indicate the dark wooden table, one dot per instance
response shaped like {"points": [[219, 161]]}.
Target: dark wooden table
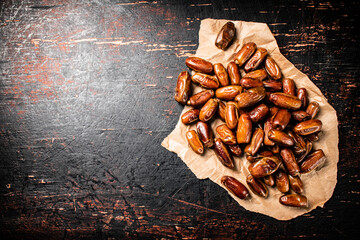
{"points": [[86, 97]]}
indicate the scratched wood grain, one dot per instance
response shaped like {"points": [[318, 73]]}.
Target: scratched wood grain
{"points": [[86, 97]]}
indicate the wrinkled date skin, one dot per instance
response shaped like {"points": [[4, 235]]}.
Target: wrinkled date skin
{"points": [[183, 87], [300, 115], [250, 97], [256, 186], [296, 184], [281, 119], [308, 148], [302, 95], [246, 82], [209, 110], [259, 74], [272, 85], [289, 161], [200, 98], [245, 53], [265, 166], [272, 68], [308, 127], [256, 142], [223, 154], [205, 133], [226, 135], [194, 142], [199, 65], [256, 59], [313, 161], [225, 36], [221, 74], [221, 110], [294, 200], [289, 86], [259, 156], [280, 138], [313, 137], [267, 128], [269, 180], [205, 80], [258, 113], [244, 129], [235, 149], [231, 115], [284, 100], [299, 146], [235, 187], [282, 181], [228, 93], [190, 116], [234, 73], [313, 109]]}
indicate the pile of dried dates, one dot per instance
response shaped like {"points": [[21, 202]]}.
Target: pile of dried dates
{"points": [[264, 117]]}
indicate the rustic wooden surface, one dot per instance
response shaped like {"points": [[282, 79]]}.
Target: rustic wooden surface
{"points": [[86, 97]]}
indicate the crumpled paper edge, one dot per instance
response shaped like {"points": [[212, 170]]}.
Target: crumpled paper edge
{"points": [[176, 141]]}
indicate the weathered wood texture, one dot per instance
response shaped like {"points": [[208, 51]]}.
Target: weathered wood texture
{"points": [[86, 97]]}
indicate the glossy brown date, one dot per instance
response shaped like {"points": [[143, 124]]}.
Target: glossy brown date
{"points": [[245, 53], [282, 181], [231, 115], [299, 146], [267, 128], [209, 109], [258, 113], [234, 73], [190, 116], [272, 85], [205, 80], [294, 200], [246, 82], [302, 95], [313, 161], [258, 156], [269, 180], [194, 142], [223, 154], [289, 86], [244, 128], [300, 115], [313, 137], [296, 184], [225, 36], [200, 98], [259, 74], [221, 110], [265, 166], [284, 100], [226, 134], [235, 187], [183, 87], [256, 59], [257, 186], [281, 119], [221, 74], [272, 68], [280, 138], [205, 133], [308, 149], [250, 97], [256, 142], [289, 161], [199, 65], [308, 127], [313, 109], [228, 93], [235, 149]]}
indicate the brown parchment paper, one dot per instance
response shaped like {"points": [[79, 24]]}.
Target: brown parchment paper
{"points": [[318, 185]]}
